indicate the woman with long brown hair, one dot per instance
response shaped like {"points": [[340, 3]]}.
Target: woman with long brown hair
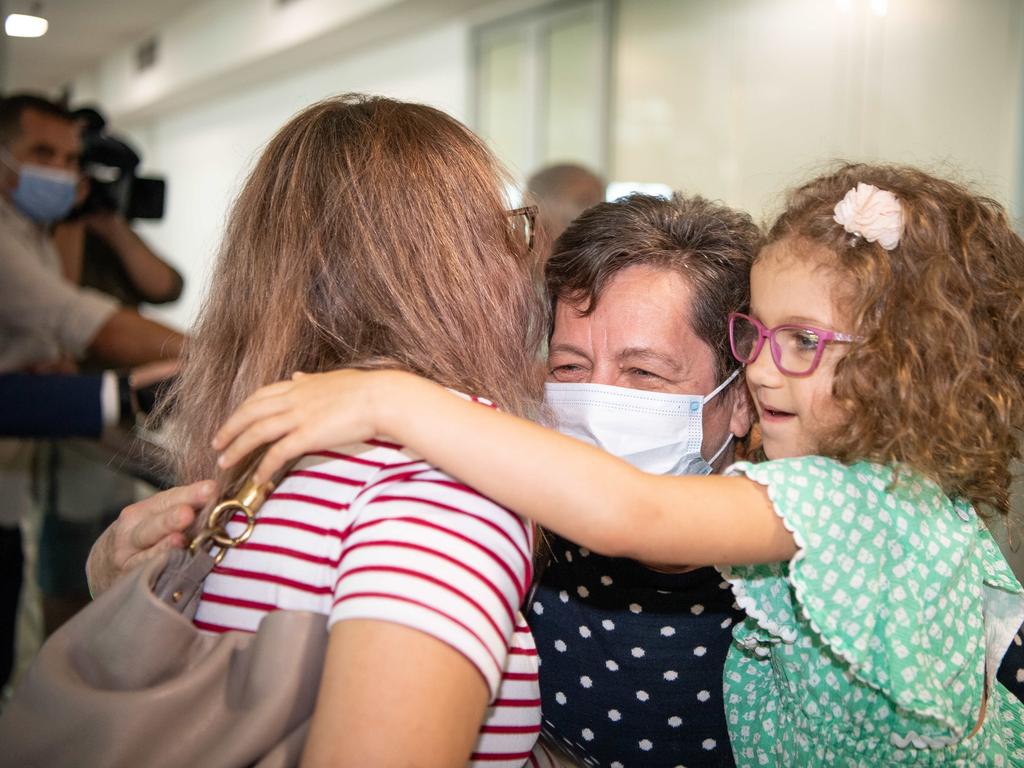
{"points": [[374, 233]]}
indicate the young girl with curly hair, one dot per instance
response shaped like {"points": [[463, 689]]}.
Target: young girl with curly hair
{"points": [[884, 354]]}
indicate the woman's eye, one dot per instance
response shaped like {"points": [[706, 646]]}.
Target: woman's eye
{"points": [[567, 371], [642, 373]]}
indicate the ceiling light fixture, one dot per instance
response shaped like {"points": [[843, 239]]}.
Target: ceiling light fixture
{"points": [[26, 24]]}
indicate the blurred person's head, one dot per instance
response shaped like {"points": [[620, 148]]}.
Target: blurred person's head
{"points": [[371, 233], [561, 192], [640, 290], [39, 153]]}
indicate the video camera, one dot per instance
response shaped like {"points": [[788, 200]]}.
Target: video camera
{"points": [[110, 165]]}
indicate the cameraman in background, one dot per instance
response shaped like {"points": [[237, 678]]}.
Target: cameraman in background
{"points": [[97, 245], [82, 492]]}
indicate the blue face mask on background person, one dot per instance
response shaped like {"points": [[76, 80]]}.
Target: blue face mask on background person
{"points": [[656, 432], [43, 194]]}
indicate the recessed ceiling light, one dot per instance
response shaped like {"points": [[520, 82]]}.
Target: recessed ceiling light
{"points": [[25, 25]]}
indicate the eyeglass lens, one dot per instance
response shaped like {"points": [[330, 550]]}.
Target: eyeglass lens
{"points": [[793, 348], [523, 225]]}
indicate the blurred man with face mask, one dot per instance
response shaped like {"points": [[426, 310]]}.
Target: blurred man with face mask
{"points": [[47, 323], [45, 318]]}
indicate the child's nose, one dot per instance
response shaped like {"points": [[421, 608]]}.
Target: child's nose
{"points": [[763, 372]]}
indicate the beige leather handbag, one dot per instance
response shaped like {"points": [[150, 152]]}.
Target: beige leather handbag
{"points": [[130, 681]]}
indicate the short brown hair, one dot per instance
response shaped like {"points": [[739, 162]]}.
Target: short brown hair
{"points": [[938, 382], [371, 233], [14, 106], [708, 244]]}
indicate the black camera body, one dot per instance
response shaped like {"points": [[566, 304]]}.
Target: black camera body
{"points": [[110, 163]]}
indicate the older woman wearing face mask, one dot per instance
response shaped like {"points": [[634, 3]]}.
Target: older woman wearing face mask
{"points": [[638, 365]]}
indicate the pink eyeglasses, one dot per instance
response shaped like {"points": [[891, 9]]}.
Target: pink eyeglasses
{"points": [[796, 349]]}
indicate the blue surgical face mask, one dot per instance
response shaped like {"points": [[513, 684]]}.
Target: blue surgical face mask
{"points": [[656, 432], [43, 194]]}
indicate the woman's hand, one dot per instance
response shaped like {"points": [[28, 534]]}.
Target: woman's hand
{"points": [[143, 530], [312, 412]]}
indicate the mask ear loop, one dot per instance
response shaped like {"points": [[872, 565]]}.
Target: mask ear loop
{"points": [[714, 393], [729, 379], [720, 451]]}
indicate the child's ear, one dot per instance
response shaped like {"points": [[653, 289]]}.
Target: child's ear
{"points": [[742, 417]]}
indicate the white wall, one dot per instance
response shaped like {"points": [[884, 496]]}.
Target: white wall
{"points": [[218, 39], [738, 99], [206, 150]]}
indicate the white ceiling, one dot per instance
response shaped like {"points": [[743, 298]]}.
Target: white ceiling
{"points": [[81, 33]]}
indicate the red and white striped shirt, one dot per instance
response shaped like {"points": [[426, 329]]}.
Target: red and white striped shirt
{"points": [[373, 532]]}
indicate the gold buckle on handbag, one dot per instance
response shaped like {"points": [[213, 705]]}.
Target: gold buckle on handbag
{"points": [[248, 501]]}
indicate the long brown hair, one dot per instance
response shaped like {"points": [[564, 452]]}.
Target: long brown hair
{"points": [[371, 233], [938, 382]]}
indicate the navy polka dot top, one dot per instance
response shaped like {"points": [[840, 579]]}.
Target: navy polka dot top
{"points": [[632, 660], [1011, 671]]}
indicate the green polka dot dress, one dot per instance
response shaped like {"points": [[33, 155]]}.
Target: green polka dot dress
{"points": [[872, 646]]}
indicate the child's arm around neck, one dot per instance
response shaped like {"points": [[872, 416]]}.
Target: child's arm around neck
{"points": [[581, 492], [577, 490]]}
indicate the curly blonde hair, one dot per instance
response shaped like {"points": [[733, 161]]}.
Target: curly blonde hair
{"points": [[938, 382]]}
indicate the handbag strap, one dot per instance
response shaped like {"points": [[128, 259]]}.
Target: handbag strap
{"points": [[248, 500]]}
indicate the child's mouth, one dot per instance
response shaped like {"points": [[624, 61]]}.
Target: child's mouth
{"points": [[774, 413]]}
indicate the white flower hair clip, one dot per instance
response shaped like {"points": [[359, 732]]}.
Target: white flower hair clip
{"points": [[872, 213]]}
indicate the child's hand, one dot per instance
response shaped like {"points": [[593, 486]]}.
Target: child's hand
{"points": [[312, 412]]}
